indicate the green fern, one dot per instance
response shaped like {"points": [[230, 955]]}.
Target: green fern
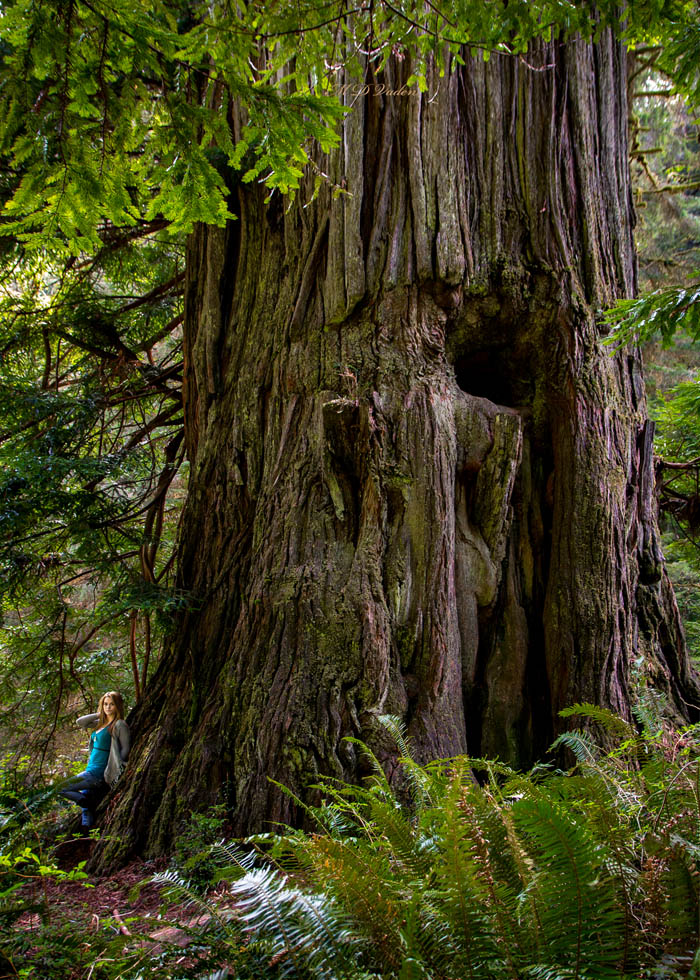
{"points": [[181, 890], [548, 875], [418, 777], [304, 932], [581, 920], [608, 720]]}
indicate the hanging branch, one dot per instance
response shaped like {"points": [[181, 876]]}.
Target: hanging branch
{"points": [[147, 648], [132, 650]]}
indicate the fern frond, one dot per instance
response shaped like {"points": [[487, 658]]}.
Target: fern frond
{"points": [[547, 972], [302, 931], [462, 885], [580, 744], [649, 708], [178, 889], [581, 920], [399, 838], [361, 879], [427, 944], [534, 875], [377, 769], [234, 862], [607, 719], [416, 776]]}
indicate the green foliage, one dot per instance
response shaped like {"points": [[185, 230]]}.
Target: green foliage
{"points": [[191, 858], [666, 92], [60, 951], [590, 873], [680, 55], [665, 173], [681, 558], [121, 126], [24, 865], [115, 113], [660, 313], [27, 865], [675, 407], [44, 938], [124, 103], [90, 448], [666, 317]]}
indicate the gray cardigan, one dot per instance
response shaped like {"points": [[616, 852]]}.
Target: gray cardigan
{"points": [[118, 750]]}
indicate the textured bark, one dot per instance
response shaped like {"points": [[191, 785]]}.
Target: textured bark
{"points": [[420, 485]]}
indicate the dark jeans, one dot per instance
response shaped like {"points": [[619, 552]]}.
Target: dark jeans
{"points": [[86, 789]]}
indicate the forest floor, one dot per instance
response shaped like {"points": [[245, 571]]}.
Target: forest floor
{"points": [[119, 898], [126, 906]]}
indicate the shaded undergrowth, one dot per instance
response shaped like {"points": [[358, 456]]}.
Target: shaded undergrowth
{"points": [[468, 870]]}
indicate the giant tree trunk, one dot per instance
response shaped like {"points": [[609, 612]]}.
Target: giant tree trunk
{"points": [[420, 485]]}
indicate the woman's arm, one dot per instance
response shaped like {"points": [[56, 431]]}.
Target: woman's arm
{"points": [[123, 736], [88, 721]]}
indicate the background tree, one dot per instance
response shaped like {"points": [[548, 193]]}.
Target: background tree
{"points": [[665, 169], [90, 445], [419, 483]]}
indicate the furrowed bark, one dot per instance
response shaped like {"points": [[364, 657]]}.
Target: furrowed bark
{"points": [[420, 483]]}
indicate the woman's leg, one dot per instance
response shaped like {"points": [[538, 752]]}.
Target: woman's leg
{"points": [[85, 789]]}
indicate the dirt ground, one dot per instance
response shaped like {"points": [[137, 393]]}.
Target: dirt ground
{"points": [[107, 898], [123, 903]]}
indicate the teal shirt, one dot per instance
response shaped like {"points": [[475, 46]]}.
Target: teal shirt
{"points": [[99, 751]]}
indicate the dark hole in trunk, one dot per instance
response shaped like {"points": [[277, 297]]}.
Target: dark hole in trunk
{"points": [[501, 374]]}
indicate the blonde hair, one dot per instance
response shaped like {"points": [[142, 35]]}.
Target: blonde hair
{"points": [[118, 702]]}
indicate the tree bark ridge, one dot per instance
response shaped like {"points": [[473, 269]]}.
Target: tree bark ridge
{"points": [[420, 485]]}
